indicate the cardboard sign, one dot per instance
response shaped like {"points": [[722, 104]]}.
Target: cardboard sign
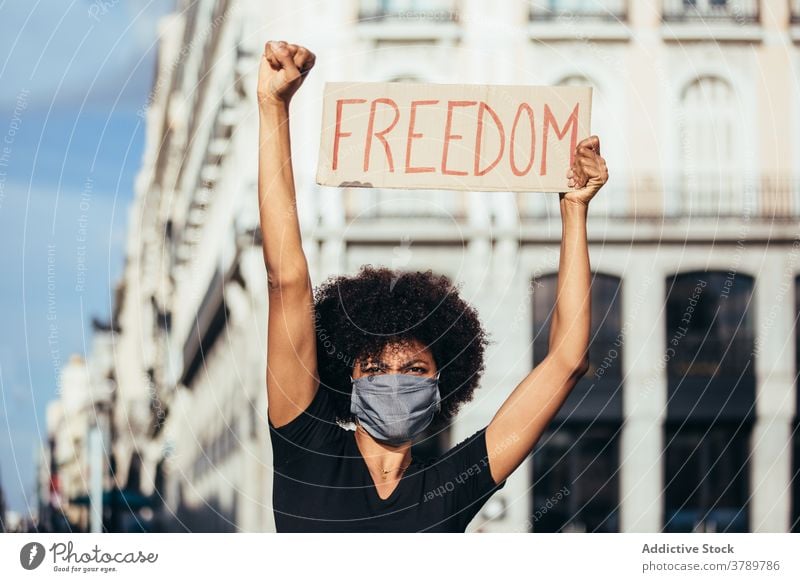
{"points": [[457, 137]]}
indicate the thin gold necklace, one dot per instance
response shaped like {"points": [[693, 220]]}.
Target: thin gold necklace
{"points": [[387, 471]]}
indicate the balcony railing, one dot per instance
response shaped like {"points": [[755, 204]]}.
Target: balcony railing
{"points": [[702, 195], [712, 194], [408, 10], [722, 194], [724, 11], [610, 10], [372, 203]]}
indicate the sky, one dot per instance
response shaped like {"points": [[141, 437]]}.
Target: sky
{"points": [[74, 76]]}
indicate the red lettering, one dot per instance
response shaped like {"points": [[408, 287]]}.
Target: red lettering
{"points": [[412, 135], [483, 107], [452, 136], [522, 107], [338, 133], [550, 118], [380, 135]]}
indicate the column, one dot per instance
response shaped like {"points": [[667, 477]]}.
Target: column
{"points": [[648, 84], [771, 450], [644, 397]]}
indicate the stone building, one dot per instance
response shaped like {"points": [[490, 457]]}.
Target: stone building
{"points": [[687, 418]]}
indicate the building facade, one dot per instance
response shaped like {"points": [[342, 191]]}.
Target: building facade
{"points": [[74, 475], [686, 420]]}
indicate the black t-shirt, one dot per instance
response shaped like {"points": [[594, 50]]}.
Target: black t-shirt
{"points": [[322, 483]]}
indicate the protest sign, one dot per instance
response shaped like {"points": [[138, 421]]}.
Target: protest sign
{"points": [[451, 136]]}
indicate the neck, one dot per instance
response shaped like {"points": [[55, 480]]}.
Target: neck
{"points": [[379, 456]]}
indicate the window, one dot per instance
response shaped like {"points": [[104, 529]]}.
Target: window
{"points": [[712, 179], [609, 201], [706, 477], [599, 392], [210, 322], [736, 11], [613, 10], [431, 10], [576, 479], [375, 203], [710, 346], [711, 401], [576, 462]]}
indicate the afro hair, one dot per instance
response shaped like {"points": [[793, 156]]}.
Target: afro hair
{"points": [[357, 317]]}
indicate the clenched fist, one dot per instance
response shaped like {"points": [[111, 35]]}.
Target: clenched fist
{"points": [[588, 172], [282, 70]]}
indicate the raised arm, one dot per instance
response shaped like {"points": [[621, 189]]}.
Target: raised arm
{"points": [[516, 427], [292, 379]]}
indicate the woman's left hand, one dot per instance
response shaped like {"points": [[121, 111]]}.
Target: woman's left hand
{"points": [[588, 172]]}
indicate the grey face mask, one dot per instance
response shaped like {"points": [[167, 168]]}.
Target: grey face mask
{"points": [[395, 407]]}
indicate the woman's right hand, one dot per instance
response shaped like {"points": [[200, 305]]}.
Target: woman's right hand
{"points": [[588, 172], [282, 70]]}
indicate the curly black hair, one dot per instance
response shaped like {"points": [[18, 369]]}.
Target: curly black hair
{"points": [[357, 317]]}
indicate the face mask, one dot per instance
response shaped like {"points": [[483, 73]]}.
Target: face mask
{"points": [[395, 407]]}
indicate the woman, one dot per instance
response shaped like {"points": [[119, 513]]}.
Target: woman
{"points": [[394, 353]]}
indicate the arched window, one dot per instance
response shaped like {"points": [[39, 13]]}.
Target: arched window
{"points": [[576, 462], [574, 80], [603, 124], [609, 129], [372, 203], [710, 142], [710, 401]]}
